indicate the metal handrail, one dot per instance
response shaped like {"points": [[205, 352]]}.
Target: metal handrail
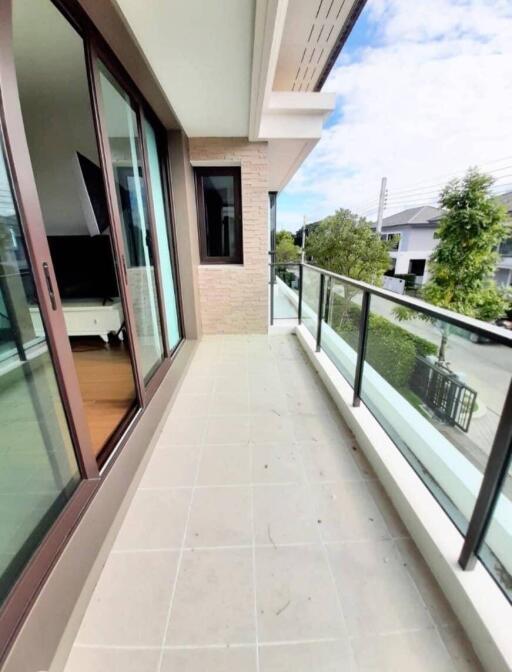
{"points": [[501, 452], [491, 331]]}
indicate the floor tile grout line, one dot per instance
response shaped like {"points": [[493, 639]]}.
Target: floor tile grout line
{"points": [[422, 599], [233, 645], [201, 445], [407, 571], [180, 557], [253, 531], [242, 547], [393, 540], [328, 563]]}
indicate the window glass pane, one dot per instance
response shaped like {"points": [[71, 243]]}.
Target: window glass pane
{"points": [[59, 126], [219, 202], [162, 233], [496, 551], [38, 468], [439, 394], [125, 149], [219, 214]]}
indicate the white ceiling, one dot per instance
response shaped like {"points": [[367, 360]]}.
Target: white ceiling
{"points": [[201, 53]]}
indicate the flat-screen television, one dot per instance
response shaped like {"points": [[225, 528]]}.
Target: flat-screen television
{"points": [[84, 267], [92, 194]]}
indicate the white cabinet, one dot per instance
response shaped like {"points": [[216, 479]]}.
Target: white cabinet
{"points": [[86, 317]]}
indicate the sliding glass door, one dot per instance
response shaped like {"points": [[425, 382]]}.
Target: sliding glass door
{"points": [[157, 181], [59, 127], [38, 468], [139, 263], [89, 310]]}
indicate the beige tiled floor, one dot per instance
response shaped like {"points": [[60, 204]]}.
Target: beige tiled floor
{"points": [[259, 540]]}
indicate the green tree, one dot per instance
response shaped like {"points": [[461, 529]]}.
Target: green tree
{"points": [[463, 264], [286, 250], [346, 244]]}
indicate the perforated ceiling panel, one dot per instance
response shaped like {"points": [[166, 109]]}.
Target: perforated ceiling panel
{"points": [[312, 31]]}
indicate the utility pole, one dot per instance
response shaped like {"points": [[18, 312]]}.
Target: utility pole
{"points": [[303, 245], [382, 203]]}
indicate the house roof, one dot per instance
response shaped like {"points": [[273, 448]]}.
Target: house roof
{"points": [[429, 215], [422, 215]]}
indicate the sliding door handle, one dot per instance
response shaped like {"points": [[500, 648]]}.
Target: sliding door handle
{"points": [[125, 272], [49, 285]]}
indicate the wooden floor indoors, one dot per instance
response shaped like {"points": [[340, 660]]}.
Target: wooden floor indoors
{"points": [[106, 382]]}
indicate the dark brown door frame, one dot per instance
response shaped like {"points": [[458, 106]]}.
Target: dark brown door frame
{"points": [[24, 592], [147, 390], [83, 24], [236, 173], [165, 168], [147, 116], [18, 157], [141, 119], [114, 216]]}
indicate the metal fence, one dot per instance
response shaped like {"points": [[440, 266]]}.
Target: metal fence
{"points": [[455, 399], [443, 393]]}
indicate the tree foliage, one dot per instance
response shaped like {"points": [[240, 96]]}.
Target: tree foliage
{"points": [[464, 262], [346, 244], [286, 250]]}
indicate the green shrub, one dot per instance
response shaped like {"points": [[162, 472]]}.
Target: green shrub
{"points": [[391, 350]]}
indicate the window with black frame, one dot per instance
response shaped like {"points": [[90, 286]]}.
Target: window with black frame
{"points": [[219, 206]]}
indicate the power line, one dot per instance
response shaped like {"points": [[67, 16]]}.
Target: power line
{"points": [[411, 203], [441, 178], [429, 188], [407, 198], [430, 191]]}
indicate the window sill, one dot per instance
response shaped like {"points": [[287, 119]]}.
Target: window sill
{"points": [[223, 266]]}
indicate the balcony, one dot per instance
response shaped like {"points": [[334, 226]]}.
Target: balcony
{"points": [[259, 538]]}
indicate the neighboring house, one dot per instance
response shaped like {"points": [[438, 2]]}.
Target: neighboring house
{"points": [[504, 270], [413, 232]]}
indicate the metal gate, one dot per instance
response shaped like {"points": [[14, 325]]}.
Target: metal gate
{"points": [[445, 394]]}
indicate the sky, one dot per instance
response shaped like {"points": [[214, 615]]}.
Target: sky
{"points": [[423, 92]]}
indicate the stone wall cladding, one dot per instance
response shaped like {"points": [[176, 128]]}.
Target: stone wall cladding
{"points": [[234, 299]]}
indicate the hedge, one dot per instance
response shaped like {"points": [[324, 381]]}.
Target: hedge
{"points": [[390, 349]]}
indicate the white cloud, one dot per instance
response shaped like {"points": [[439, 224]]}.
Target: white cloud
{"points": [[431, 96]]}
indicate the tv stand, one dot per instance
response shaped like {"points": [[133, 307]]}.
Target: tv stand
{"points": [[87, 317]]}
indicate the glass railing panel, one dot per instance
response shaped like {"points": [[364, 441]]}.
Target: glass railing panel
{"points": [[310, 294], [285, 280], [340, 328], [496, 550], [438, 391]]}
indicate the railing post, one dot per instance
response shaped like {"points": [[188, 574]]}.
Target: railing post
{"points": [[361, 348], [327, 300], [272, 200], [320, 313], [299, 309], [271, 283], [494, 475]]}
